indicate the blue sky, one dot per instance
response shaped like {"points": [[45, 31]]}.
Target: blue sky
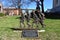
{"points": [[47, 5]]}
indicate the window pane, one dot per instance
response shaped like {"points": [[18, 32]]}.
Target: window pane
{"points": [[0, 8], [56, 1]]}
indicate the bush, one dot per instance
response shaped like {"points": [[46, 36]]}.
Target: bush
{"points": [[52, 15], [1, 14]]}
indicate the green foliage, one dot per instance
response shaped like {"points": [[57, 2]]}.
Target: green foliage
{"points": [[1, 14]]}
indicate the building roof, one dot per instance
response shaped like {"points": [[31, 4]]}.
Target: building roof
{"points": [[9, 8]]}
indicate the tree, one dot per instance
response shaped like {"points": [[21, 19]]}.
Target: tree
{"points": [[42, 5], [19, 3]]}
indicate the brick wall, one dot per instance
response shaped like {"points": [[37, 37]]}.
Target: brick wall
{"points": [[11, 11]]}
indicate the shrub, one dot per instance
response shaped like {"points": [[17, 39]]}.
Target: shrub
{"points": [[1, 14]]}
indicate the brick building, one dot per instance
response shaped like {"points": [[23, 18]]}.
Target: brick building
{"points": [[9, 10]]}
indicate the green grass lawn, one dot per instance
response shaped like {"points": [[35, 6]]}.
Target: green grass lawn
{"points": [[52, 29]]}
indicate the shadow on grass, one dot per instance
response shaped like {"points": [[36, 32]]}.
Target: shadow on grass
{"points": [[18, 17], [24, 29], [15, 29]]}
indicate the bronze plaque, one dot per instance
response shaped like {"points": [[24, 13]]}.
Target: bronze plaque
{"points": [[29, 33]]}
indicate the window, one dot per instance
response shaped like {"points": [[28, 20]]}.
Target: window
{"points": [[0, 8], [56, 1]]}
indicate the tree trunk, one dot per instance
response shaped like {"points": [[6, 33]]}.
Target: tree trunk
{"points": [[42, 7]]}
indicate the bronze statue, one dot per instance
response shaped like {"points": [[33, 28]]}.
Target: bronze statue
{"points": [[38, 15]]}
